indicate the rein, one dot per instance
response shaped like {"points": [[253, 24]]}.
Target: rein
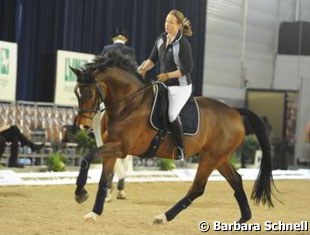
{"points": [[129, 96], [102, 97]]}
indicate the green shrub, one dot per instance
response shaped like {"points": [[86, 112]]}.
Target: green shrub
{"points": [[233, 159], [166, 164], [56, 162], [249, 147], [84, 141]]}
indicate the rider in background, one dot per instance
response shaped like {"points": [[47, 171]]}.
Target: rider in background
{"points": [[119, 38], [174, 54]]}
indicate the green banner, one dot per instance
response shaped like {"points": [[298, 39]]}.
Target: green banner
{"points": [[65, 78], [4, 61], [69, 76], [8, 70]]}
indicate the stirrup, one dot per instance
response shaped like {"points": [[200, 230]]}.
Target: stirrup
{"points": [[180, 154]]}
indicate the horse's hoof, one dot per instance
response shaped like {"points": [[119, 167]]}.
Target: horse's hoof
{"points": [[91, 217], [81, 198], [160, 219], [108, 197], [245, 217], [81, 195], [242, 220], [121, 194]]}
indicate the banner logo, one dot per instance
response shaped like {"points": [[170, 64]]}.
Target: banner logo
{"points": [[75, 63], [4, 61]]}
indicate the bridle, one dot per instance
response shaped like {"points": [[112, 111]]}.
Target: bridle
{"points": [[100, 96], [99, 99]]}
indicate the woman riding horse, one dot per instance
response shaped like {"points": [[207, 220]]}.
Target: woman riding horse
{"points": [[174, 53], [128, 102]]}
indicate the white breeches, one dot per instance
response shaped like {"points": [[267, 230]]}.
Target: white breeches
{"points": [[121, 165], [96, 125], [177, 98]]}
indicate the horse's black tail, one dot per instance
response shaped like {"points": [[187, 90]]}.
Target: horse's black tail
{"points": [[262, 190]]}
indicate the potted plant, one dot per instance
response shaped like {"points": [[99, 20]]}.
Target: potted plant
{"points": [[86, 141], [248, 150], [166, 164]]}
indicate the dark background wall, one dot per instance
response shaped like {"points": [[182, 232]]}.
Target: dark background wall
{"points": [[41, 27]]}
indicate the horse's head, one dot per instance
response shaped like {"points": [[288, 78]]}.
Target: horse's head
{"points": [[89, 95], [111, 78]]}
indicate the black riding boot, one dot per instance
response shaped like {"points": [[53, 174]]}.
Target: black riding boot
{"points": [[177, 131]]}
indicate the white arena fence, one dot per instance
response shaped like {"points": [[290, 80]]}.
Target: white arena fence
{"points": [[9, 177], [50, 118]]}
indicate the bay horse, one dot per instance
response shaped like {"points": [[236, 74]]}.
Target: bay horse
{"points": [[112, 79]]}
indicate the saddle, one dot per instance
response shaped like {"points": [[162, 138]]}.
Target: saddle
{"points": [[189, 115], [159, 114]]}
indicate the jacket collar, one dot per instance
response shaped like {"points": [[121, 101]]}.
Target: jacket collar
{"points": [[176, 39]]}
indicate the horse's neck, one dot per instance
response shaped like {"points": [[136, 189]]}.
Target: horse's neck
{"points": [[126, 91]]}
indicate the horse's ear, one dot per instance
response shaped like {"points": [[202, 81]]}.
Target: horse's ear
{"points": [[77, 72]]}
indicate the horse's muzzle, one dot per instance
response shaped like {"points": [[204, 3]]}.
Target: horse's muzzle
{"points": [[83, 122]]}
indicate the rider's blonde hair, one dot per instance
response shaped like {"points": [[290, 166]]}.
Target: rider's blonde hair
{"points": [[186, 28], [120, 37]]}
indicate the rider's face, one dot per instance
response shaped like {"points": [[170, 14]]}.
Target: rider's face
{"points": [[171, 25]]}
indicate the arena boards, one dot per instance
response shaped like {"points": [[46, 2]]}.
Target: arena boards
{"points": [[9, 177]]}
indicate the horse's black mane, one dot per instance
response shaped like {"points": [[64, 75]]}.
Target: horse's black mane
{"points": [[113, 58]]}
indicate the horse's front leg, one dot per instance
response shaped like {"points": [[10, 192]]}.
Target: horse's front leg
{"points": [[109, 158], [81, 194], [107, 171]]}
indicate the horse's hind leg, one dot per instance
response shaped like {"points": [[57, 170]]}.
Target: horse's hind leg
{"points": [[235, 181], [205, 168]]}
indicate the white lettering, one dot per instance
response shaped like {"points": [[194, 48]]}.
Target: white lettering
{"points": [[235, 226], [217, 226], [268, 226], [283, 227]]}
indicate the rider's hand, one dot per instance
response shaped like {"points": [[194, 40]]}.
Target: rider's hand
{"points": [[141, 70], [162, 77]]}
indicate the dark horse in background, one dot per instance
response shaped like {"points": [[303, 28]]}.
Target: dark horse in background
{"points": [[126, 130]]}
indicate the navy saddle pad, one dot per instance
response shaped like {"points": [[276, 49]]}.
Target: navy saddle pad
{"points": [[189, 114]]}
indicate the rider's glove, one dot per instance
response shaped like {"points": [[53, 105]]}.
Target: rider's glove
{"points": [[162, 77]]}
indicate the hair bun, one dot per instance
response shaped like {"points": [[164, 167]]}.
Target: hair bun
{"points": [[186, 22]]}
